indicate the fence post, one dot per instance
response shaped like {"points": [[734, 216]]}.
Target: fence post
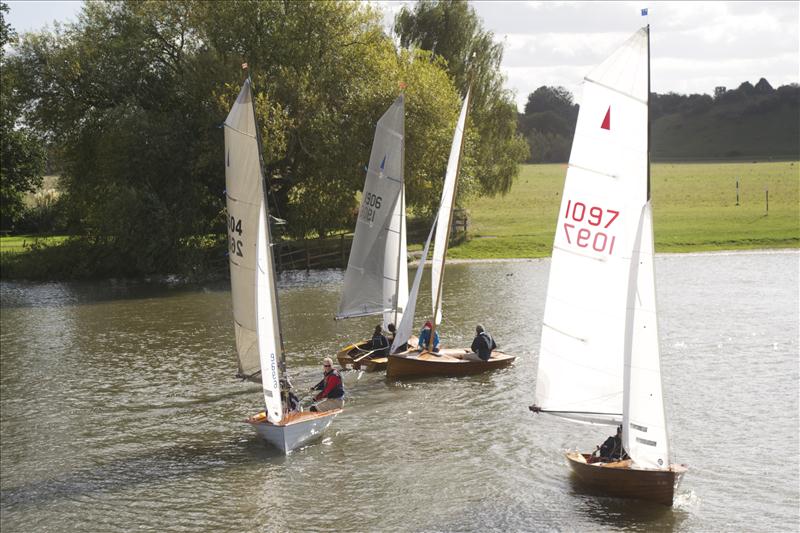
{"points": [[767, 198], [737, 192]]}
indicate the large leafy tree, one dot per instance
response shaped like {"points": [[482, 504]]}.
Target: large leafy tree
{"points": [[22, 159], [549, 124], [134, 93], [451, 29], [325, 72]]}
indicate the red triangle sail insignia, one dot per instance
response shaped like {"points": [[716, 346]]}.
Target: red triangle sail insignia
{"points": [[606, 125]]}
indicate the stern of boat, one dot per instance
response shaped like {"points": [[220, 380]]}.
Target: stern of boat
{"points": [[295, 430]]}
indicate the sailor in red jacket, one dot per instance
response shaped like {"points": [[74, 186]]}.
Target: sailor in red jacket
{"points": [[332, 395]]}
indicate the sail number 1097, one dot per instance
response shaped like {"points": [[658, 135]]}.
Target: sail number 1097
{"points": [[593, 237]]}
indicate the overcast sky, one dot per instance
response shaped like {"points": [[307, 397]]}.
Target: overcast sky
{"points": [[695, 46]]}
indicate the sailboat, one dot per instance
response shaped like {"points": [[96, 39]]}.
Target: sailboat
{"points": [[599, 360], [376, 280], [445, 362], [259, 342]]}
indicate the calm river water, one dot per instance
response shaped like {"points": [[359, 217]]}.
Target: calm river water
{"points": [[120, 411]]}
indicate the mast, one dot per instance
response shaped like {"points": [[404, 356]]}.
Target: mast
{"points": [[449, 221], [402, 201], [399, 241], [282, 357], [647, 30]]}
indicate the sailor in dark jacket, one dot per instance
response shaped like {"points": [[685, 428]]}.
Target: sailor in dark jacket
{"points": [[379, 343], [482, 345]]}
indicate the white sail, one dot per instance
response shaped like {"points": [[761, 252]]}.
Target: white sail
{"points": [[580, 375], [395, 277], [645, 437], [445, 212], [252, 283], [406, 325], [371, 282]]}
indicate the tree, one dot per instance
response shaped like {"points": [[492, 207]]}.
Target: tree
{"points": [[133, 96], [549, 124], [325, 72], [452, 30], [556, 99], [22, 159]]}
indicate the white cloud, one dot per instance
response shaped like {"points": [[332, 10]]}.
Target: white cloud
{"points": [[695, 46]]}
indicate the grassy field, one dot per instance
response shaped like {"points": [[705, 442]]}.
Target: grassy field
{"points": [[694, 209], [17, 243]]}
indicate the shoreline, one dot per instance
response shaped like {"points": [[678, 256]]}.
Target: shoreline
{"points": [[753, 251]]}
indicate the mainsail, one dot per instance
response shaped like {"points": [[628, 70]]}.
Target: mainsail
{"points": [[589, 310], [446, 213], [376, 280], [253, 290]]}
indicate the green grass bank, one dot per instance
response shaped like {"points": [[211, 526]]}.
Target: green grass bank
{"points": [[694, 209]]}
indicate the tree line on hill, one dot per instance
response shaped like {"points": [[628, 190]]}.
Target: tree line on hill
{"points": [[127, 103], [749, 121]]}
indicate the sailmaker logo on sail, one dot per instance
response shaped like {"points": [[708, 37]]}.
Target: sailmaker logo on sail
{"points": [[606, 125]]}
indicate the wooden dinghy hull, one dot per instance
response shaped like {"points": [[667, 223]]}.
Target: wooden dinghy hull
{"points": [[620, 480], [295, 430], [347, 356], [447, 363]]}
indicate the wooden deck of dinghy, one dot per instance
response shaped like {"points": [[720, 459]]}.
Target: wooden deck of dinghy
{"points": [[618, 479], [292, 418], [446, 363]]}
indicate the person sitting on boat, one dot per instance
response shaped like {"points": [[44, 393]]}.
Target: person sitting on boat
{"points": [[331, 387], [611, 449], [392, 334], [290, 399], [425, 338], [482, 345], [379, 343]]}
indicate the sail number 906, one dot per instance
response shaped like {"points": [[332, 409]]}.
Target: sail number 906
{"points": [[370, 205], [597, 218]]}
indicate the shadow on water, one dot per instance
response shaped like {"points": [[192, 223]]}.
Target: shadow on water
{"points": [[622, 513], [23, 294], [166, 464]]}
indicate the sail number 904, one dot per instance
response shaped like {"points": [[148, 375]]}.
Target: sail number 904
{"points": [[597, 218], [234, 244]]}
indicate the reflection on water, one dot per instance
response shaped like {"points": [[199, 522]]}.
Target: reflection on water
{"points": [[120, 411]]}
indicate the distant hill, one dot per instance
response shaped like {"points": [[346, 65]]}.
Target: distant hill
{"points": [[751, 121]]}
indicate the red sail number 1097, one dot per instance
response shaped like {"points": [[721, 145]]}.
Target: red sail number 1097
{"points": [[597, 217]]}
